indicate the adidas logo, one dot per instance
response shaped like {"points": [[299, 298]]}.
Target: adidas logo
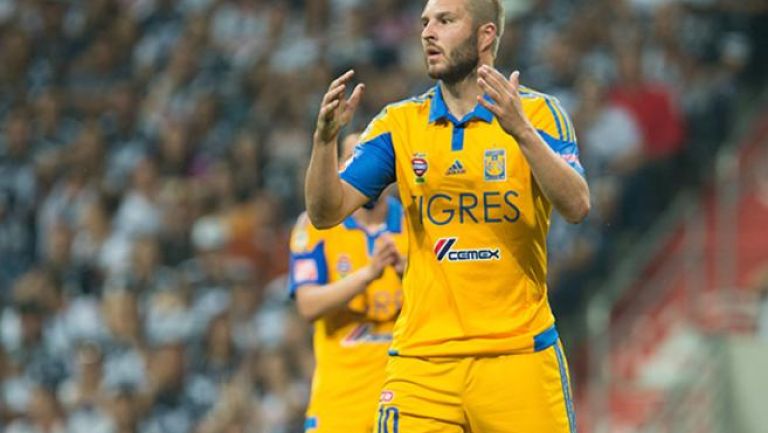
{"points": [[456, 168]]}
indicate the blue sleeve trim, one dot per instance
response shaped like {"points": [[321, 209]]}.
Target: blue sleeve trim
{"points": [[568, 150], [318, 275], [372, 167], [310, 423], [545, 339], [393, 352]]}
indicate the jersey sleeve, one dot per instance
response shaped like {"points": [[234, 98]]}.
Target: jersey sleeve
{"points": [[556, 129], [307, 264], [372, 167]]}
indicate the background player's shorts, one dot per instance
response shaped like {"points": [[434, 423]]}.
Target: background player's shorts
{"points": [[501, 394]]}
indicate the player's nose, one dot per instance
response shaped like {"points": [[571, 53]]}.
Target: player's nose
{"points": [[428, 32]]}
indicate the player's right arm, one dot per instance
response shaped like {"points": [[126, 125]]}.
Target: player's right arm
{"points": [[328, 198]]}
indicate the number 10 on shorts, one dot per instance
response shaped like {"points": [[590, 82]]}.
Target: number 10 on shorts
{"points": [[389, 420]]}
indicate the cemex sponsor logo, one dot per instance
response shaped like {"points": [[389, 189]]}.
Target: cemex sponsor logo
{"points": [[443, 251]]}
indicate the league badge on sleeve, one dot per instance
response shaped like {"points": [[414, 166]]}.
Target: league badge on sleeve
{"points": [[305, 270], [495, 165], [420, 166]]}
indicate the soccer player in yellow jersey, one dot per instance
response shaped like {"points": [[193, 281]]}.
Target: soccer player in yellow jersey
{"points": [[480, 162], [347, 281]]}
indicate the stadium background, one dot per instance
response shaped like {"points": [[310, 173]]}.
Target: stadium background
{"points": [[151, 164]]}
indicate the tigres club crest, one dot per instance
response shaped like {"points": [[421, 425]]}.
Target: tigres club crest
{"points": [[420, 166], [495, 164]]}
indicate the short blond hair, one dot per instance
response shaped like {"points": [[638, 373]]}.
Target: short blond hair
{"points": [[488, 11]]}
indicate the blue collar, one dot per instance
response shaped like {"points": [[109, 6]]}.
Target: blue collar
{"points": [[438, 110], [393, 222]]}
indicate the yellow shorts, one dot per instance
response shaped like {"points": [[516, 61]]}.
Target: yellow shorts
{"points": [[522, 393]]}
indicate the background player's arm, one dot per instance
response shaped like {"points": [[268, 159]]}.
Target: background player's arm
{"points": [[328, 198], [565, 188], [313, 301]]}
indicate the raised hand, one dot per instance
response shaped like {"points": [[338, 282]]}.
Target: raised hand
{"points": [[384, 254], [506, 103], [335, 110]]}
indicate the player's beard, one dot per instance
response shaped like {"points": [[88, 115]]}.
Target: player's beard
{"points": [[462, 61]]}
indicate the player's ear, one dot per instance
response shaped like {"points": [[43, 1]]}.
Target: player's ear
{"points": [[486, 36]]}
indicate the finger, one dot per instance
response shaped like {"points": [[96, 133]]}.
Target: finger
{"points": [[343, 78], [327, 110], [493, 108], [392, 252], [389, 244], [380, 249], [388, 253], [354, 99], [385, 248], [493, 74], [394, 255], [390, 259], [514, 80], [329, 107], [490, 91], [387, 260], [334, 93], [499, 93], [497, 81], [342, 103]]}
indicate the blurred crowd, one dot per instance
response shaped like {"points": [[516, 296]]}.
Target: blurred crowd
{"points": [[151, 164]]}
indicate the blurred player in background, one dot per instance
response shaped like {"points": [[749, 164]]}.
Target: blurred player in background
{"points": [[347, 281], [480, 162]]}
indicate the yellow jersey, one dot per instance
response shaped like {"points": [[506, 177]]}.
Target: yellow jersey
{"points": [[475, 282], [350, 344]]}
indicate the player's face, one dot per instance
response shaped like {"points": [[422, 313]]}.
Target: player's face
{"points": [[449, 40]]}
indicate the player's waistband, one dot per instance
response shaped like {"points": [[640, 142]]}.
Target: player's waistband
{"points": [[541, 341], [545, 339]]}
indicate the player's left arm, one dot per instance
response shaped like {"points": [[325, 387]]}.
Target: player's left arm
{"points": [[562, 183]]}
